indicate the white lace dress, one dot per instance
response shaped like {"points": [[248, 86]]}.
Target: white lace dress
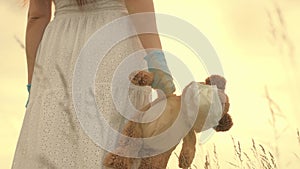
{"points": [[51, 136]]}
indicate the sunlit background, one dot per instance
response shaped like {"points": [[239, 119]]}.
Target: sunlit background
{"points": [[258, 46]]}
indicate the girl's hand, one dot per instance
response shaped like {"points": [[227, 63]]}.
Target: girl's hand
{"points": [[162, 78]]}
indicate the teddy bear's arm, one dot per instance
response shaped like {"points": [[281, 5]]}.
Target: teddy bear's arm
{"points": [[188, 150]]}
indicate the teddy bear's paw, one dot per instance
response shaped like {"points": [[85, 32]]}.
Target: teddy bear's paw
{"points": [[186, 157], [155, 162], [141, 78], [117, 162], [184, 161]]}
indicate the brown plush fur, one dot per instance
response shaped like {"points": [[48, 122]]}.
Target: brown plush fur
{"points": [[133, 129]]}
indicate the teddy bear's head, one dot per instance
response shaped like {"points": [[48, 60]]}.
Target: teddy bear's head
{"points": [[225, 123]]}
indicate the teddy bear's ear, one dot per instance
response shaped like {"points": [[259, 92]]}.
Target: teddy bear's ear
{"points": [[217, 80], [225, 123]]}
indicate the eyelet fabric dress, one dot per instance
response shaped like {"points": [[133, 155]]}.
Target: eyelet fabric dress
{"points": [[51, 136]]}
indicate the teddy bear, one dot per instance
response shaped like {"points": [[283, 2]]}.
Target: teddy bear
{"points": [[213, 92]]}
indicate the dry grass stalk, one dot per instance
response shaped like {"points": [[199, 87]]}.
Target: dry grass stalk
{"points": [[278, 30], [275, 113], [176, 155], [273, 160], [238, 152], [232, 164], [19, 42], [298, 136], [249, 163], [216, 160], [296, 156], [207, 162], [255, 153]]}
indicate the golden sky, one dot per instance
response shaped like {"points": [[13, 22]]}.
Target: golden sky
{"points": [[252, 57]]}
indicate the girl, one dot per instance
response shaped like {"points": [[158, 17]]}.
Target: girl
{"points": [[51, 135]]}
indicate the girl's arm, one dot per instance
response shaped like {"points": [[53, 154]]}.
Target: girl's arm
{"points": [[39, 15], [156, 61], [139, 6]]}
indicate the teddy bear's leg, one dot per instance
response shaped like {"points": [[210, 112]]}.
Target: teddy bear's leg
{"points": [[188, 150], [156, 162], [118, 162], [131, 129]]}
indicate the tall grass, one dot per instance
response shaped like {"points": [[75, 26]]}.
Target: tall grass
{"points": [[259, 158], [255, 157]]}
